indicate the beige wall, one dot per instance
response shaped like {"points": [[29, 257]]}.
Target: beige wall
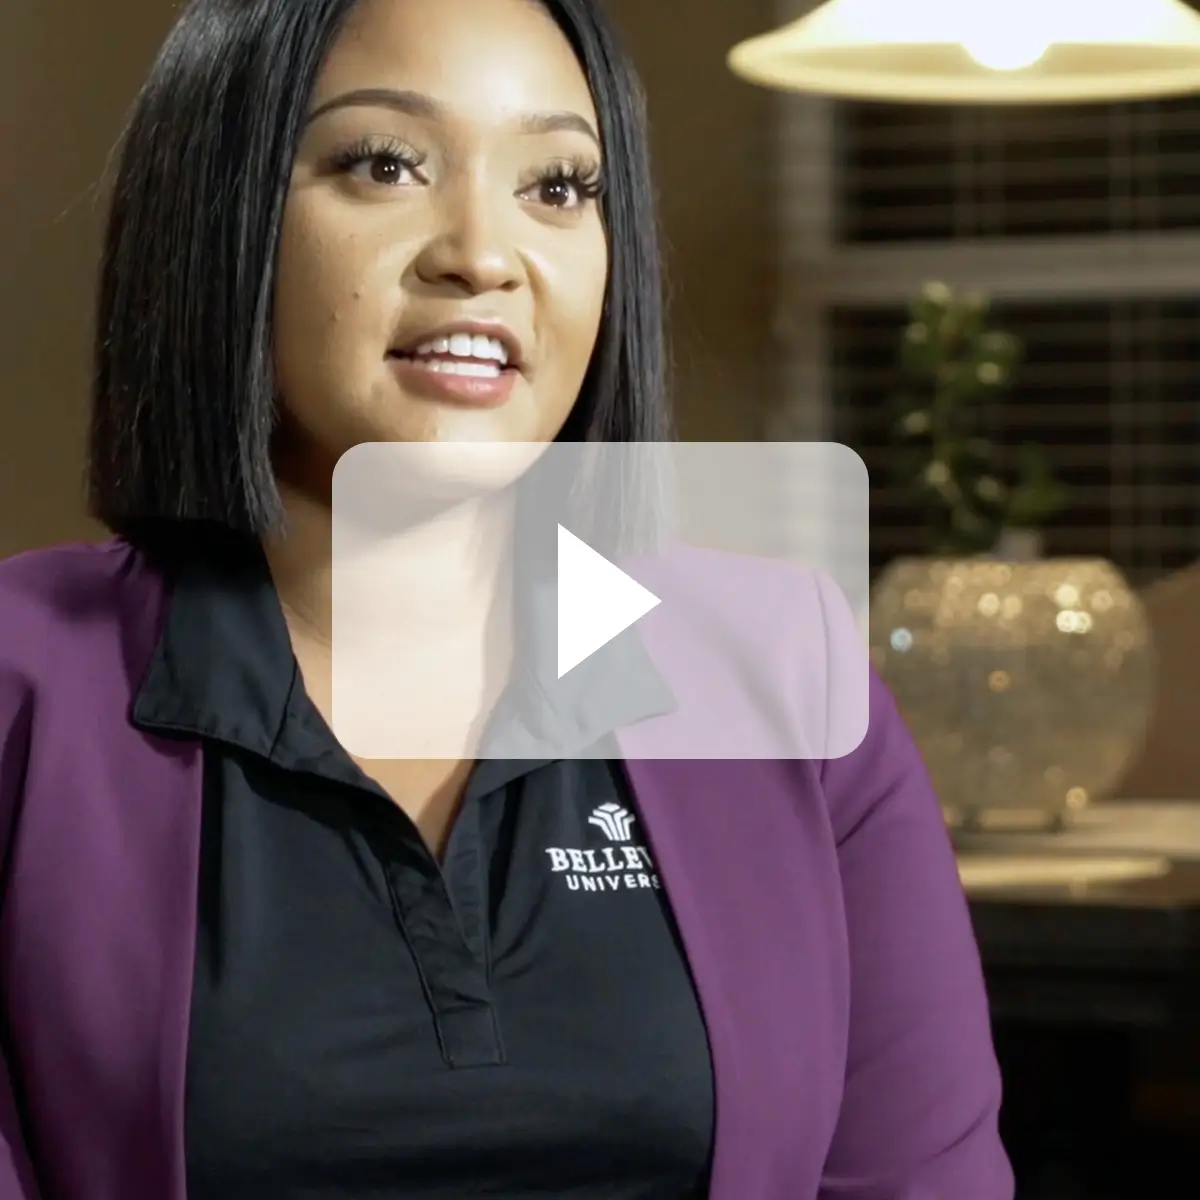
{"points": [[1168, 767], [716, 160], [75, 66]]}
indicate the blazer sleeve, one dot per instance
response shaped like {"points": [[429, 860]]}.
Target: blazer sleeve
{"points": [[919, 1115], [16, 1170]]}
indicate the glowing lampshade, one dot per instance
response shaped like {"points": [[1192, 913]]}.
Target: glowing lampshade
{"points": [[981, 51]]}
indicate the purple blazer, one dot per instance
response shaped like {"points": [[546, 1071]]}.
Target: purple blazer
{"points": [[818, 902]]}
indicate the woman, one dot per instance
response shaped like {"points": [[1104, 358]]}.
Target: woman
{"points": [[237, 961]]}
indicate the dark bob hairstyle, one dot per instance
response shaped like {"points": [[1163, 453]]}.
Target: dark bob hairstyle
{"points": [[184, 399]]}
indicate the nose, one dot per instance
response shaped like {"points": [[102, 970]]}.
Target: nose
{"points": [[471, 248]]}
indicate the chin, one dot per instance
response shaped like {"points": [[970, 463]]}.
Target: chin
{"points": [[376, 475], [425, 421]]}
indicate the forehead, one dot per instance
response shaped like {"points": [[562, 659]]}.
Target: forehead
{"points": [[483, 59]]}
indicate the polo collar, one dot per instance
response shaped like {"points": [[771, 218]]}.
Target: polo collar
{"points": [[224, 669]]}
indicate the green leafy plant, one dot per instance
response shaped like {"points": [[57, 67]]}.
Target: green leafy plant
{"points": [[968, 489]]}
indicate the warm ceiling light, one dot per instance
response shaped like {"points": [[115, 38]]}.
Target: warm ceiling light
{"points": [[981, 51]]}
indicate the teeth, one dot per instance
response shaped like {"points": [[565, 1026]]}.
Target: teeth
{"points": [[465, 345], [445, 366], [487, 347]]}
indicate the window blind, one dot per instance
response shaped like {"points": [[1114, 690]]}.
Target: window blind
{"points": [[915, 173], [1080, 222], [1111, 389]]}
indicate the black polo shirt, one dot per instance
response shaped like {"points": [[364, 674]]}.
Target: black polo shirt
{"points": [[516, 1021]]}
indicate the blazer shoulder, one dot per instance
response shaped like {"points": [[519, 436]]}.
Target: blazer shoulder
{"points": [[704, 564], [52, 596], [749, 592], [773, 644]]}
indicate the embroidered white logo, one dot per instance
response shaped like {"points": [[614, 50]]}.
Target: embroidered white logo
{"points": [[610, 868], [617, 822]]}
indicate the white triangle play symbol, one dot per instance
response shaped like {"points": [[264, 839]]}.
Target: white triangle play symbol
{"points": [[596, 601]]}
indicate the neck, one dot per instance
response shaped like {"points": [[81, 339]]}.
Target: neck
{"points": [[436, 578]]}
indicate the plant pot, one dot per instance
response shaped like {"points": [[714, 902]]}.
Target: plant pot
{"points": [[1018, 545], [1028, 686]]}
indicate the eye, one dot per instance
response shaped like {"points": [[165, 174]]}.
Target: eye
{"points": [[559, 193], [565, 187], [383, 163], [385, 169]]}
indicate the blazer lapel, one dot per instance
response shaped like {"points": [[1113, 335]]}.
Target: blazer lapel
{"points": [[736, 860], [105, 875]]}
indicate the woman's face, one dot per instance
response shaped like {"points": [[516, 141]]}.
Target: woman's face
{"points": [[443, 263]]}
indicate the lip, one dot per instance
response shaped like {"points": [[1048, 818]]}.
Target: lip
{"points": [[406, 342], [467, 390]]}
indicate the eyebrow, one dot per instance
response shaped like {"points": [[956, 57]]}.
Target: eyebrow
{"points": [[418, 104]]}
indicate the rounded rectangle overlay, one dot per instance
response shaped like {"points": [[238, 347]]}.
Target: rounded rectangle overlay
{"points": [[574, 600]]}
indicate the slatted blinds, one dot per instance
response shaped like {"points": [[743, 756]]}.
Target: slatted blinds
{"points": [[1083, 223], [1110, 387], [908, 173]]}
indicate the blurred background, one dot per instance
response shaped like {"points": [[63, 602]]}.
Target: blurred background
{"points": [[803, 237]]}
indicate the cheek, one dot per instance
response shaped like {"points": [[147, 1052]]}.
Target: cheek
{"points": [[302, 289], [320, 312], [574, 301]]}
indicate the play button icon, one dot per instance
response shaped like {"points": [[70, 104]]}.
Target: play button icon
{"points": [[596, 601]]}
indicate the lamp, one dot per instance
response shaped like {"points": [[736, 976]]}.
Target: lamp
{"points": [[981, 51]]}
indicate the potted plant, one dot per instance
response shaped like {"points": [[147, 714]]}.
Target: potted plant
{"points": [[1027, 681], [972, 501]]}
